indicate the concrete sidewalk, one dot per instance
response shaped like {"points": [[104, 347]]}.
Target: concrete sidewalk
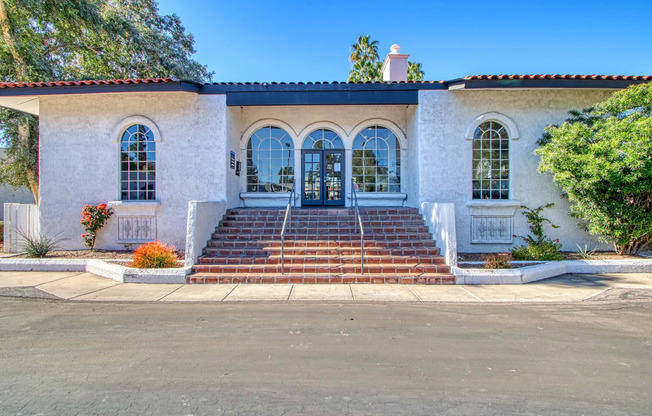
{"points": [[89, 287]]}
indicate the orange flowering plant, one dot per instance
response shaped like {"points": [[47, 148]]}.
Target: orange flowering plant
{"points": [[155, 255], [93, 219]]}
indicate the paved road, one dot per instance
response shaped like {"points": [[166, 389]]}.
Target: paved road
{"points": [[72, 358]]}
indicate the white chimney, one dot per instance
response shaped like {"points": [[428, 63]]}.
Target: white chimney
{"points": [[395, 67]]}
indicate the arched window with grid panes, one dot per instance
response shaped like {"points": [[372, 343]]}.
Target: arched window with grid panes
{"points": [[490, 161], [376, 163], [323, 139], [270, 161], [137, 164]]}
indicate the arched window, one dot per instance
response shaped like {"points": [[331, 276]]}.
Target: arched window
{"points": [[377, 160], [137, 164], [270, 161], [491, 161], [323, 139]]}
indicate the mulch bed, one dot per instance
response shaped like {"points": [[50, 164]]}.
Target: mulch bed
{"points": [[568, 255], [78, 254]]}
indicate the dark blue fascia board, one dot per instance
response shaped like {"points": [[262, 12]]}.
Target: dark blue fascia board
{"points": [[267, 98], [226, 88], [181, 86], [267, 94]]}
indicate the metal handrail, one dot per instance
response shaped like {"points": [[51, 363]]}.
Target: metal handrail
{"points": [[358, 222], [288, 215]]}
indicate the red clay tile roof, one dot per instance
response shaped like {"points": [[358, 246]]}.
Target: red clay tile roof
{"points": [[89, 82], [468, 78], [555, 76]]}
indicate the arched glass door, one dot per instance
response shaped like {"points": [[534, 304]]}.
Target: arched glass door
{"points": [[322, 158]]}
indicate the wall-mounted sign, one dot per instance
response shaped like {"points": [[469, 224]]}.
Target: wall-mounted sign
{"points": [[238, 167], [232, 160]]}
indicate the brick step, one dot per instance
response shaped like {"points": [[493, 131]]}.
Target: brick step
{"points": [[307, 244], [372, 251], [324, 236], [388, 278], [323, 259], [322, 268], [311, 230], [323, 211], [320, 223], [281, 217]]}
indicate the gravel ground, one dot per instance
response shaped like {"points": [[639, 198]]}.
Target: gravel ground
{"points": [[78, 254], [568, 255]]}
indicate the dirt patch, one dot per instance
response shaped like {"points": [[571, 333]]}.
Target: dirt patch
{"points": [[77, 254], [481, 266], [568, 255]]}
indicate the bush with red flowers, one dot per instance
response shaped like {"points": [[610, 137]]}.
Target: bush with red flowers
{"points": [[93, 219], [155, 255]]}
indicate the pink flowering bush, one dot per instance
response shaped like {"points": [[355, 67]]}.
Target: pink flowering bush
{"points": [[539, 246], [93, 219]]}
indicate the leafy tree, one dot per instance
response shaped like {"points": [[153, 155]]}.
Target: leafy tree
{"points": [[366, 64], [47, 40], [602, 160]]}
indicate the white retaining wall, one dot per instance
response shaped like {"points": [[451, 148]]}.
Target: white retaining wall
{"points": [[440, 219], [203, 217]]}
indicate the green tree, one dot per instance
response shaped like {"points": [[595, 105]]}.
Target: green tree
{"points": [[366, 64], [602, 160], [47, 40]]}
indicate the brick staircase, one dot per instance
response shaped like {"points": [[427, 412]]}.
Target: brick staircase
{"points": [[321, 247]]}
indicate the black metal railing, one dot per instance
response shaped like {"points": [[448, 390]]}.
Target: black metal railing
{"points": [[358, 222], [286, 223]]}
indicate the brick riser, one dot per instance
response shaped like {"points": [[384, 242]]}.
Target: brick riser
{"points": [[321, 247]]}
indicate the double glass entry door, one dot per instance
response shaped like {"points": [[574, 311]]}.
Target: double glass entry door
{"points": [[323, 177]]}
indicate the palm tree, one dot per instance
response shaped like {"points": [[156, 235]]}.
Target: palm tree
{"points": [[364, 50], [364, 57], [415, 73], [366, 64]]}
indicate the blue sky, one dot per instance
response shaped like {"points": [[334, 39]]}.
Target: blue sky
{"points": [[307, 40]]}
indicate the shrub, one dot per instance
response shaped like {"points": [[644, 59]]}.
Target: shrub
{"points": [[39, 246], [2, 231], [497, 261], [602, 160], [154, 255], [93, 219], [539, 246], [585, 253]]}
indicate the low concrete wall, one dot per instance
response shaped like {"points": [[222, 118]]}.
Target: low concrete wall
{"points": [[102, 268], [19, 218], [203, 217], [440, 219]]}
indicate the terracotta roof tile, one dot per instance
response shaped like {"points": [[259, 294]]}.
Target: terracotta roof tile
{"points": [[88, 82], [556, 76], [468, 78]]}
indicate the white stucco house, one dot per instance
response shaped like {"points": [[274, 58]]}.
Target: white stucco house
{"points": [[150, 146]]}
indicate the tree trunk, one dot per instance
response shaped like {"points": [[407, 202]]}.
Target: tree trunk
{"points": [[7, 35], [28, 141]]}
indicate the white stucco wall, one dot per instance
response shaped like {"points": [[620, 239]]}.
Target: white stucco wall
{"points": [[234, 184], [445, 155], [79, 158]]}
